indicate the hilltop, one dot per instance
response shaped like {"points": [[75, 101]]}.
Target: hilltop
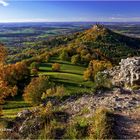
{"points": [[102, 43], [106, 43], [101, 34]]}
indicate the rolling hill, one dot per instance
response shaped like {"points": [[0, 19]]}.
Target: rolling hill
{"points": [[106, 43], [100, 41]]}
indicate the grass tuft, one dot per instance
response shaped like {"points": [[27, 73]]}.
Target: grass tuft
{"points": [[102, 125]]}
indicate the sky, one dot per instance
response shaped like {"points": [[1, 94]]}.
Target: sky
{"points": [[66, 11]]}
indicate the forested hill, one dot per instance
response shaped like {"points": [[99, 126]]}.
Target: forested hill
{"points": [[101, 35], [97, 42], [109, 44]]}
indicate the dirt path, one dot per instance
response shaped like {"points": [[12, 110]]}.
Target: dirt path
{"points": [[128, 125]]}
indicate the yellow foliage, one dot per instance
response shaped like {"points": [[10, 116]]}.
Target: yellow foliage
{"points": [[3, 53], [100, 66], [88, 74], [94, 67]]}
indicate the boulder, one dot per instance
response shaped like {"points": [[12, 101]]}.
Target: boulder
{"points": [[128, 72]]}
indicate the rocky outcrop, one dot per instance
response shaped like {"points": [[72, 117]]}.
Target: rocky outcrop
{"points": [[117, 100], [128, 72]]}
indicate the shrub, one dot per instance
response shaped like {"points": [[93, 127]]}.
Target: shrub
{"points": [[102, 80], [101, 126], [60, 91], [71, 132], [52, 127], [76, 130], [54, 91], [33, 92], [56, 67], [75, 59], [3, 54]]}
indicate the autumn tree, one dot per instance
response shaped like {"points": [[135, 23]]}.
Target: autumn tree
{"points": [[88, 74], [75, 59], [15, 73], [22, 70], [33, 92], [79, 49], [0, 111], [70, 49], [94, 67], [56, 67], [10, 76], [100, 65], [6, 89], [3, 54]]}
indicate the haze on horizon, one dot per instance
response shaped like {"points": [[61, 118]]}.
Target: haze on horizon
{"points": [[69, 11]]}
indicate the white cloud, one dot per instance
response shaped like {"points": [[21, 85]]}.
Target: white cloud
{"points": [[3, 3]]}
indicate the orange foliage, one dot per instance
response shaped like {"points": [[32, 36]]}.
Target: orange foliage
{"points": [[9, 77], [56, 67], [6, 90], [100, 66], [88, 74], [3, 54], [94, 67]]}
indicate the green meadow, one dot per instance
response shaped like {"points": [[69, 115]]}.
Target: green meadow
{"points": [[70, 76]]}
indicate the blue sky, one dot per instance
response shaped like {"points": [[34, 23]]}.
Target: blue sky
{"points": [[53, 11]]}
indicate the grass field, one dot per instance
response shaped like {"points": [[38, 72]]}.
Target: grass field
{"points": [[70, 76], [13, 106]]}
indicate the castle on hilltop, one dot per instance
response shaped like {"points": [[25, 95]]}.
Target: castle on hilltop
{"points": [[98, 26]]}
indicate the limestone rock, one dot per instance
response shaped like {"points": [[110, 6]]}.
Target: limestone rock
{"points": [[117, 100], [128, 72]]}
